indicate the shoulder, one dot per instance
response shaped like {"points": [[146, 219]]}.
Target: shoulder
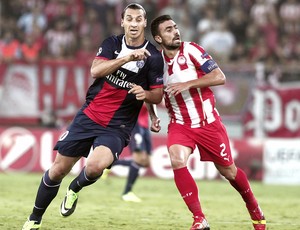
{"points": [[152, 49], [193, 47], [114, 39], [155, 53]]}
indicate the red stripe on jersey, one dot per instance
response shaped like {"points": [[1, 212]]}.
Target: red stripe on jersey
{"points": [[170, 64], [156, 86], [197, 64], [197, 99], [103, 107], [169, 107], [198, 47], [102, 58], [183, 109]]}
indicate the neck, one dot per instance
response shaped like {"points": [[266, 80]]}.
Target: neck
{"points": [[170, 53]]}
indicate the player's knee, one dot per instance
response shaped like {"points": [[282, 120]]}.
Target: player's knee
{"points": [[57, 173], [228, 174], [177, 163], [145, 164], [94, 169]]}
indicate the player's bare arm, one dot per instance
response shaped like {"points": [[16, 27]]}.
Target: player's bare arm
{"points": [[155, 126], [215, 77], [153, 96], [102, 68]]}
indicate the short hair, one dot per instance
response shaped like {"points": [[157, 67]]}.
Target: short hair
{"points": [[134, 6], [157, 21]]}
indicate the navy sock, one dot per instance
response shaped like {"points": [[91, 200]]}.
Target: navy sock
{"points": [[82, 180], [123, 162], [46, 193], [132, 176]]}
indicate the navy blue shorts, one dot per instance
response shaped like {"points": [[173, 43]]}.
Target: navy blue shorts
{"points": [[84, 134], [140, 139]]}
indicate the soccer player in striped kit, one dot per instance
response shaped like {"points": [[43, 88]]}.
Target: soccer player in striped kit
{"points": [[128, 72], [189, 73]]}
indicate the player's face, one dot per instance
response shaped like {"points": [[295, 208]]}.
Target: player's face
{"points": [[169, 35], [134, 23]]}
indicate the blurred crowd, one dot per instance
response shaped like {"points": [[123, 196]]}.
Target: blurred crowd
{"points": [[233, 31]]}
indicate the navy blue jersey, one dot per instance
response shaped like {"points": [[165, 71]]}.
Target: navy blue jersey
{"points": [[107, 101]]}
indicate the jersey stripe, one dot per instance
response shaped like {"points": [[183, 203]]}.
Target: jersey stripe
{"points": [[111, 99]]}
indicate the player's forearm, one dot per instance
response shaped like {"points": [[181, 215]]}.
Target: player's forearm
{"points": [[154, 96], [151, 110], [216, 77], [102, 68]]}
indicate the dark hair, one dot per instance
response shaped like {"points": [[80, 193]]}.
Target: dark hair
{"points": [[133, 6], [157, 21]]}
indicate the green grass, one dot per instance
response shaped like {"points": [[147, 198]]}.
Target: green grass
{"points": [[100, 206]]}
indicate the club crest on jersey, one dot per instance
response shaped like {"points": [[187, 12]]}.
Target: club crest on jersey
{"points": [[140, 64], [181, 60]]}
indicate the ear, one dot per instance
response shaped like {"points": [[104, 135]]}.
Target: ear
{"points": [[122, 23], [158, 39], [145, 23]]}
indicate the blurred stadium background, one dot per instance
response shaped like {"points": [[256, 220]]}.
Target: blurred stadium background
{"points": [[46, 48]]}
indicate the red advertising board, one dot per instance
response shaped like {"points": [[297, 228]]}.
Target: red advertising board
{"points": [[30, 150]]}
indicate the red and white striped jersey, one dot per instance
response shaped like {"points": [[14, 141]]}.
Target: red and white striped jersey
{"points": [[194, 107]]}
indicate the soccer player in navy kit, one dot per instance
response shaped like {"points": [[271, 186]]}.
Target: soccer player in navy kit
{"points": [[189, 73], [128, 72]]}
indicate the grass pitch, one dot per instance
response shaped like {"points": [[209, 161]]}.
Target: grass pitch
{"points": [[100, 205]]}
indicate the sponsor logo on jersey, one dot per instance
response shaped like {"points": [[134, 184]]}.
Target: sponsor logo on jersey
{"points": [[119, 82]]}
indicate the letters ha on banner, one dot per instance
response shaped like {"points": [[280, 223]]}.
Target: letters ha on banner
{"points": [[27, 91], [273, 112]]}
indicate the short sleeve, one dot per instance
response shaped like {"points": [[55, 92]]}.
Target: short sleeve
{"points": [[155, 74], [201, 58], [107, 48]]}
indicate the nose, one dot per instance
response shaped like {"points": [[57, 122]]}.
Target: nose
{"points": [[133, 23]]}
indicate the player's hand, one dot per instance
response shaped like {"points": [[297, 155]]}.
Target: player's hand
{"points": [[155, 127], [174, 89], [139, 54], [138, 91]]}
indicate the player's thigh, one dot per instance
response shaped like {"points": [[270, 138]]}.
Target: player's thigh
{"points": [[107, 149], [100, 158], [213, 143]]}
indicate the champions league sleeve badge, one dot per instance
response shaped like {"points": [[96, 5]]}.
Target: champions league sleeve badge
{"points": [[140, 64]]}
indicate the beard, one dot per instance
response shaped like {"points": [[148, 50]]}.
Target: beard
{"points": [[172, 46]]}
